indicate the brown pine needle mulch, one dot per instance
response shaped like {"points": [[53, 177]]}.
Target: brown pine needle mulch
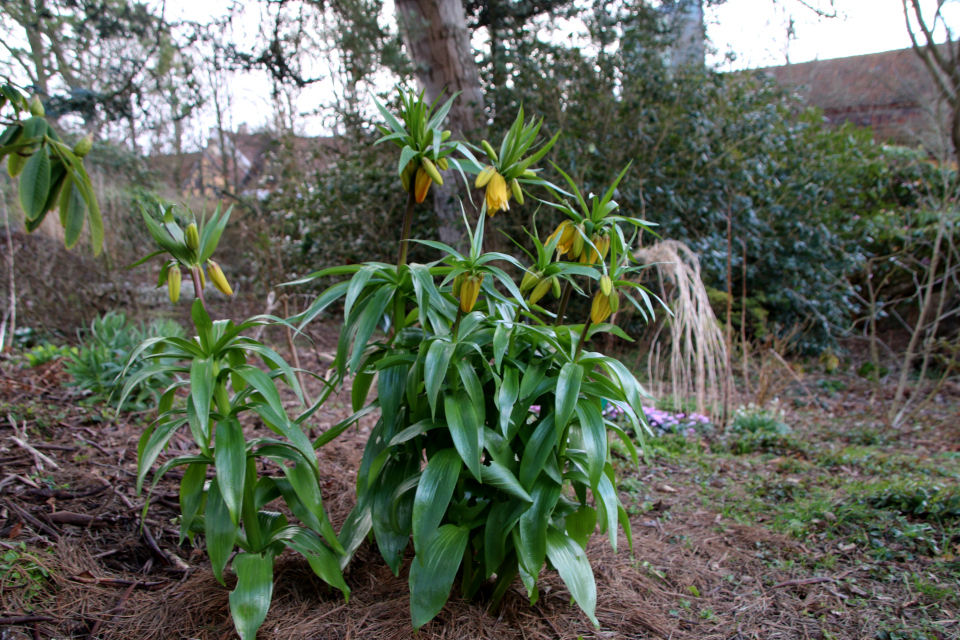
{"points": [[67, 496]]}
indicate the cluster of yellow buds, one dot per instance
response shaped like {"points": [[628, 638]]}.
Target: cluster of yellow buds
{"points": [[422, 176], [603, 305], [542, 287], [466, 286], [599, 250]]}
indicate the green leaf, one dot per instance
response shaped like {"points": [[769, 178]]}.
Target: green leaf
{"points": [[35, 184], [230, 455], [219, 530], [369, 319], [497, 475], [581, 524], [250, 600], [355, 529], [502, 518], [304, 482], [533, 525], [538, 448], [413, 431], [568, 390], [201, 391], [608, 503], [573, 566], [465, 430], [594, 439], [435, 369], [73, 211], [390, 542], [154, 445], [501, 341], [191, 494], [433, 494], [509, 392], [319, 524], [322, 560], [432, 572]]}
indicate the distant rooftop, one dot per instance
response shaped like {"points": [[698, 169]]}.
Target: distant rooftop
{"points": [[890, 91]]}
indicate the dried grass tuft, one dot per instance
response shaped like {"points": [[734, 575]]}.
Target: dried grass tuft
{"points": [[697, 362]]}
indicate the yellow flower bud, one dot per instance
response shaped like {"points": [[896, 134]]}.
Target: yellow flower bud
{"points": [[530, 280], [36, 107], [540, 290], [614, 301], [203, 278], [600, 309], [192, 236], [218, 279], [529, 174], [489, 150], [576, 249], [443, 163], [469, 292], [174, 278], [555, 284], [603, 245], [406, 176], [497, 195], [484, 177], [431, 170], [445, 135], [458, 284], [422, 185], [517, 191], [606, 284], [84, 146]]}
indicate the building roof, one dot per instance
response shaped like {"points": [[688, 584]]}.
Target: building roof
{"points": [[890, 91]]}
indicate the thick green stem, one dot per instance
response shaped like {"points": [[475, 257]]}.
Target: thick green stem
{"points": [[583, 338], [198, 286], [564, 299], [456, 323], [407, 225]]}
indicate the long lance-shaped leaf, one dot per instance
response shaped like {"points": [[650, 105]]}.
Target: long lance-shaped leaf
{"points": [[571, 562], [250, 600], [594, 439], [465, 430], [219, 530], [321, 525], [533, 525], [538, 449], [433, 494], [499, 476], [568, 390], [322, 560], [435, 369], [432, 573], [191, 494], [230, 455], [201, 391]]}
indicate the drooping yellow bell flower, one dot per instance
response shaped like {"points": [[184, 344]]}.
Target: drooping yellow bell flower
{"points": [[498, 196], [421, 185], [567, 231], [600, 309]]}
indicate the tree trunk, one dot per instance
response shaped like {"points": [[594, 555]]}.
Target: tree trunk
{"points": [[438, 43]]}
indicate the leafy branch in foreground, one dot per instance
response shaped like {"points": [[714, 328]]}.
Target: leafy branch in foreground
{"points": [[50, 174]]}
